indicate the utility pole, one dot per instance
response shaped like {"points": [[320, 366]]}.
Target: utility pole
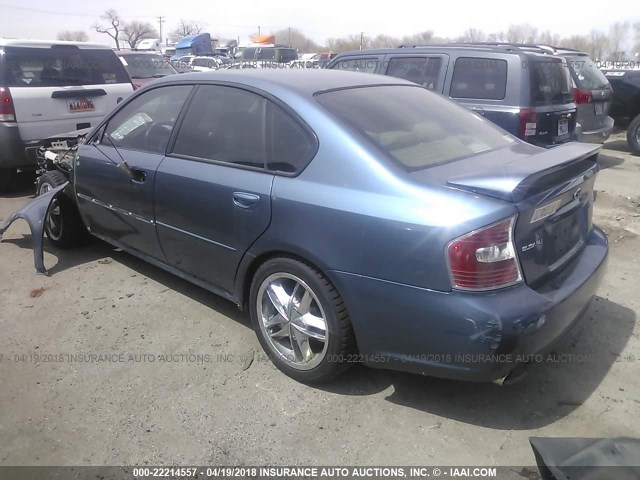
{"points": [[258, 29], [289, 36], [361, 39], [161, 21]]}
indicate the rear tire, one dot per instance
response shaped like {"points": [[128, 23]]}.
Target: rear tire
{"points": [[7, 177], [311, 338], [63, 224], [633, 135]]}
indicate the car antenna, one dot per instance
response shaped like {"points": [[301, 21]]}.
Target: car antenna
{"points": [[123, 164]]}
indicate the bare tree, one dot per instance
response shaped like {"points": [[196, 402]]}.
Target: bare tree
{"points": [[134, 32], [523, 33], [636, 48], [184, 28], [549, 38], [73, 36], [297, 39], [472, 35], [113, 26], [422, 38], [618, 33], [598, 45]]}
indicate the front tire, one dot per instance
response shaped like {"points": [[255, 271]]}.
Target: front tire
{"points": [[63, 224], [633, 135], [300, 320], [7, 177]]}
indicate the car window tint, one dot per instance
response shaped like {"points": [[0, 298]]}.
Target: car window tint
{"points": [[146, 65], [421, 70], [415, 127], [586, 74], [550, 82], [479, 78], [146, 122], [367, 65], [60, 66], [290, 143], [225, 124]]}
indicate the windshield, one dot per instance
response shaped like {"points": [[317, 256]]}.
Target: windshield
{"points": [[63, 66], [147, 66], [587, 75], [203, 62], [415, 127], [550, 83]]}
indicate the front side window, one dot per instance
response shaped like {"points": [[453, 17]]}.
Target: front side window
{"points": [[413, 126], [146, 122], [366, 65], [421, 70], [482, 78]]}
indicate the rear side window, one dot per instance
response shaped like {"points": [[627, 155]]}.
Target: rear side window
{"points": [[367, 65], [550, 82], [413, 126], [225, 124], [286, 55], [586, 74], [484, 78], [421, 70], [290, 144], [60, 66]]}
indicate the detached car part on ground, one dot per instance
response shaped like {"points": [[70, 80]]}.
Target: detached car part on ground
{"points": [[356, 217]]}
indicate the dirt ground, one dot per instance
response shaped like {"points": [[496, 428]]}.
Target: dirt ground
{"points": [[178, 376]]}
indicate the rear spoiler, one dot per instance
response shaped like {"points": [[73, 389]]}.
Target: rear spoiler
{"points": [[517, 179]]}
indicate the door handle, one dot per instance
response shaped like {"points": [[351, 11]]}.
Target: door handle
{"points": [[137, 175], [478, 110], [245, 200]]}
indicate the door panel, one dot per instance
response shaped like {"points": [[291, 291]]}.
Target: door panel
{"points": [[208, 216], [113, 204]]}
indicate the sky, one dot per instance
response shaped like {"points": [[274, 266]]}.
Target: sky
{"points": [[43, 19]]}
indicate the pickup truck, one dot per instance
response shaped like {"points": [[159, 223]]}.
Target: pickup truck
{"points": [[625, 107]]}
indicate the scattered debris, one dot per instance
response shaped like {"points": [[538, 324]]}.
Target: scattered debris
{"points": [[435, 426], [248, 359], [36, 292], [105, 261]]}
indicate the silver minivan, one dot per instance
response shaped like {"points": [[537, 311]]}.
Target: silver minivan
{"points": [[48, 88], [592, 95]]}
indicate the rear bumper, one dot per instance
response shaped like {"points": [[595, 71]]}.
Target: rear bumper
{"points": [[12, 154], [468, 336], [599, 135]]}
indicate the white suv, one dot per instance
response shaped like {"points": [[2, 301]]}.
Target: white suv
{"points": [[48, 88]]}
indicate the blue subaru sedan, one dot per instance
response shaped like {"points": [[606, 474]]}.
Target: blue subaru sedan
{"points": [[358, 218]]}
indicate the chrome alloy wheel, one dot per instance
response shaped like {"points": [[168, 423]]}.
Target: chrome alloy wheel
{"points": [[54, 215], [292, 320]]}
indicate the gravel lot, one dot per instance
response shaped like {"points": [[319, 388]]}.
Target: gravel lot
{"points": [[214, 405]]}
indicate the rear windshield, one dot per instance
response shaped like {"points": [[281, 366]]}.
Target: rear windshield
{"points": [[62, 66], [586, 74], [550, 83], [415, 127], [147, 66]]}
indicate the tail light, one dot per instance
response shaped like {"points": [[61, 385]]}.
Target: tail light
{"points": [[580, 96], [528, 123], [7, 110], [485, 259]]}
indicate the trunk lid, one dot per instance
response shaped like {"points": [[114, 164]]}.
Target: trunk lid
{"points": [[553, 192]]}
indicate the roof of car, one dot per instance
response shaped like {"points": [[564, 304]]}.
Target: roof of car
{"points": [[22, 42], [136, 52], [303, 81]]}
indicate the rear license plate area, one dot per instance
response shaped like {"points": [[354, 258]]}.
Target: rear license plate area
{"points": [[564, 236], [599, 108], [80, 105], [563, 127]]}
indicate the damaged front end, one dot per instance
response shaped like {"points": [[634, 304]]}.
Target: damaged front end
{"points": [[35, 214]]}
